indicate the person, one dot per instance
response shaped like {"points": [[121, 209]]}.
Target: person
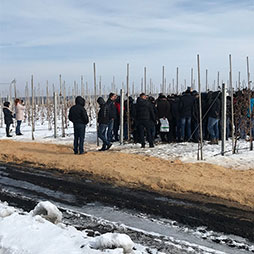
{"points": [[185, 110], [103, 120], [19, 115], [112, 115], [145, 118], [7, 118], [79, 117], [213, 118], [164, 111]]}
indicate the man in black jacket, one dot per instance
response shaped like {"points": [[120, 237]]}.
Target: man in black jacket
{"points": [[145, 118], [103, 121], [78, 116], [112, 115]]}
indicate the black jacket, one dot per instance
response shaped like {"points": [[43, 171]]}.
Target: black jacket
{"points": [[163, 108], [78, 113], [215, 106], [103, 115], [144, 110], [7, 116], [175, 101], [112, 109], [186, 105]]}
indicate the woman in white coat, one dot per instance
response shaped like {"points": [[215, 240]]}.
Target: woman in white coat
{"points": [[19, 109]]}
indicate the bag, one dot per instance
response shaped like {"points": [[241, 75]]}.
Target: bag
{"points": [[164, 127]]}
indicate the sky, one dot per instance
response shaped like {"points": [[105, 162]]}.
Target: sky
{"points": [[45, 38]]}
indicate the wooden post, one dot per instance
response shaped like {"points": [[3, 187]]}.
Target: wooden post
{"points": [[128, 103], [223, 118], [142, 86], [55, 114], [121, 116], [192, 83], [96, 104], [32, 88], [82, 87], [133, 89], [62, 105], [218, 80], [232, 104], [239, 80], [145, 80], [177, 74], [200, 150], [100, 87], [250, 109], [163, 79], [206, 80]]}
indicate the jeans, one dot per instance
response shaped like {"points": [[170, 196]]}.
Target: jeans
{"points": [[18, 126], [142, 125], [79, 136], [213, 127], [110, 130], [185, 124], [102, 134]]}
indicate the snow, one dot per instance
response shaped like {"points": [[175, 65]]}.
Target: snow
{"points": [[48, 211], [24, 233], [186, 152]]}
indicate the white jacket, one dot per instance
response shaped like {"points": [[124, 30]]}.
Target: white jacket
{"points": [[19, 109]]}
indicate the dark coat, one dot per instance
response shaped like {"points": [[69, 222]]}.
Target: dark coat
{"points": [[164, 108], [186, 105], [103, 115], [144, 110], [78, 113], [7, 116], [175, 101], [215, 106], [112, 109]]}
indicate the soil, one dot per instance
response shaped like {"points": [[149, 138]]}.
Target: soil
{"points": [[192, 181]]}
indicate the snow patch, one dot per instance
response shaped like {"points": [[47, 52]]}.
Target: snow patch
{"points": [[113, 240], [48, 211]]}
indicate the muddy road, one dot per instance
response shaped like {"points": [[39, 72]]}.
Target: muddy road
{"points": [[99, 207]]}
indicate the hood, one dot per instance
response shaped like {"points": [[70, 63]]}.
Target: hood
{"points": [[141, 101], [100, 101], [80, 101]]}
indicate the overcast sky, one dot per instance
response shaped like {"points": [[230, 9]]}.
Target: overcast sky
{"points": [[51, 37]]}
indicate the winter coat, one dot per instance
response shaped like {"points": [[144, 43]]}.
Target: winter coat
{"points": [[215, 106], [163, 108], [19, 110], [112, 109], [186, 105], [103, 115], [144, 110], [7, 116], [175, 101], [78, 113]]}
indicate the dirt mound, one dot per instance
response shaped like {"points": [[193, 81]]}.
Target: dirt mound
{"points": [[138, 171]]}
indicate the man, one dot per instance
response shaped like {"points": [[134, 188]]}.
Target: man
{"points": [[145, 118], [112, 115], [103, 120], [78, 116]]}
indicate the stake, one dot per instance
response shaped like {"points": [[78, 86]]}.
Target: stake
{"points": [[250, 109], [121, 116], [55, 113], [223, 116], [145, 79], [206, 78], [218, 80], [192, 83], [96, 106], [177, 73], [32, 88], [163, 79], [61, 105], [200, 114], [128, 103], [232, 104]]}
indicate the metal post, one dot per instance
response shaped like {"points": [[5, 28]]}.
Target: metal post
{"points": [[145, 80], [121, 115], [206, 78], [163, 79], [223, 116], [128, 102], [177, 74], [232, 104]]}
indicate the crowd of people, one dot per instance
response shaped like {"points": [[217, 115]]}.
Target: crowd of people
{"points": [[166, 119]]}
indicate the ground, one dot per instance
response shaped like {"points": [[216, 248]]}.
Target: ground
{"points": [[212, 182]]}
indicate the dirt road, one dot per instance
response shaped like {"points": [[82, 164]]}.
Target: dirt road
{"points": [[196, 181]]}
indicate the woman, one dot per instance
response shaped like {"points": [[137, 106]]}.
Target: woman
{"points": [[7, 118], [19, 109]]}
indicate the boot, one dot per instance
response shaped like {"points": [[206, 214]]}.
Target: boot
{"points": [[213, 142]]}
